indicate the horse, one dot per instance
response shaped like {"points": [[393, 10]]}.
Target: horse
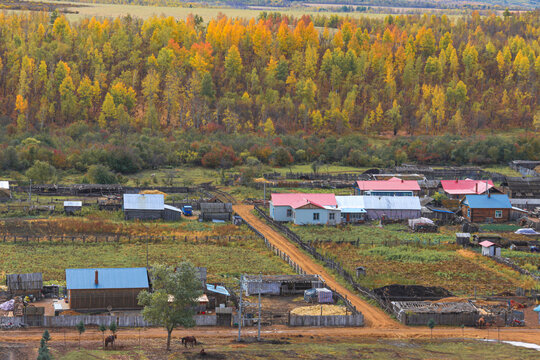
{"points": [[481, 323], [189, 340], [110, 339]]}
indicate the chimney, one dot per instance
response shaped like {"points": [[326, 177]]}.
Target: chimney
{"points": [[96, 281], [456, 181], [476, 188], [402, 180]]}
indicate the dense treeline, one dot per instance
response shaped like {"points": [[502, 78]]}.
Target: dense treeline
{"points": [[407, 73]]}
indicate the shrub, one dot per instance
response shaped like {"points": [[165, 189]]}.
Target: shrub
{"points": [[99, 174]]}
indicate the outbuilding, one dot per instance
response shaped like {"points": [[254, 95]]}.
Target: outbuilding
{"points": [[5, 192], [149, 207], [103, 288], [352, 209], [25, 284], [280, 284], [490, 249], [486, 208], [522, 187], [70, 207], [216, 211]]}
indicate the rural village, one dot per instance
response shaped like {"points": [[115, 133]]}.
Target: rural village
{"points": [[269, 179], [396, 223]]}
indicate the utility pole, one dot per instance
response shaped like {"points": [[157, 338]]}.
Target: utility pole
{"points": [[30, 192], [147, 252], [264, 199], [259, 322], [240, 310]]}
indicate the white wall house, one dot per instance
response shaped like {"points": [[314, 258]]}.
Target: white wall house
{"points": [[305, 209]]}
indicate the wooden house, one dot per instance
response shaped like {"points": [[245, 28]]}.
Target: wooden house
{"points": [[457, 189], [486, 208], [103, 288]]}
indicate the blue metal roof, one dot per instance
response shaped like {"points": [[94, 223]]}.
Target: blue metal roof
{"points": [[493, 201], [108, 278], [217, 289]]}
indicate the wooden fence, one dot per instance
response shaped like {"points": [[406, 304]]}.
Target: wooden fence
{"points": [[297, 267], [326, 320], [328, 262], [96, 320], [94, 239]]}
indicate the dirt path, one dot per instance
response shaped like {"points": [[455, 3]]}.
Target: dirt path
{"points": [[374, 317], [216, 334]]}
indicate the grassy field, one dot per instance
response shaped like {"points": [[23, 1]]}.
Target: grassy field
{"points": [[207, 13], [366, 349], [388, 258], [242, 253]]}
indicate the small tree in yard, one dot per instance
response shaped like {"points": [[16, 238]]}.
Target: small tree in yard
{"points": [[173, 299], [103, 328], [431, 325], [80, 328], [43, 351], [114, 328]]}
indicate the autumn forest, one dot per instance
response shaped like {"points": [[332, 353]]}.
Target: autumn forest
{"points": [[404, 75]]}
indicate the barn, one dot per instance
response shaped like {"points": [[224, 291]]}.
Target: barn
{"points": [[25, 284], [70, 207], [101, 288], [391, 187], [486, 208], [392, 207], [149, 207]]}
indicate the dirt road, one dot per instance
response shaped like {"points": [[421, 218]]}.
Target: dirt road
{"points": [[374, 317], [216, 334]]}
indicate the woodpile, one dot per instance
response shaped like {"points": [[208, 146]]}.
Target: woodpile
{"points": [[327, 310]]}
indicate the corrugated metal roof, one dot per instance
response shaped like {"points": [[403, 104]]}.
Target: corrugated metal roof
{"points": [[73, 203], [493, 201], [351, 204], [467, 186], [172, 208], [217, 289], [144, 202], [296, 200], [393, 184], [108, 278], [4, 184], [392, 203]]}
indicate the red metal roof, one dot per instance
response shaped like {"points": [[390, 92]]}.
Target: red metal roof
{"points": [[486, 243], [295, 200], [393, 184], [465, 187]]}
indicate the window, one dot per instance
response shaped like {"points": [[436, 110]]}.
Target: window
{"points": [[331, 216], [289, 212], [469, 213], [315, 216], [498, 214]]}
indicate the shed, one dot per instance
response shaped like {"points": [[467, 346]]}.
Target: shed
{"points": [[143, 206], [522, 187], [420, 312], [280, 284], [486, 208], [352, 208], [25, 284], [525, 204], [70, 207], [216, 211], [490, 249], [171, 213], [100, 288], [217, 295], [392, 207], [463, 239], [5, 192]]}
